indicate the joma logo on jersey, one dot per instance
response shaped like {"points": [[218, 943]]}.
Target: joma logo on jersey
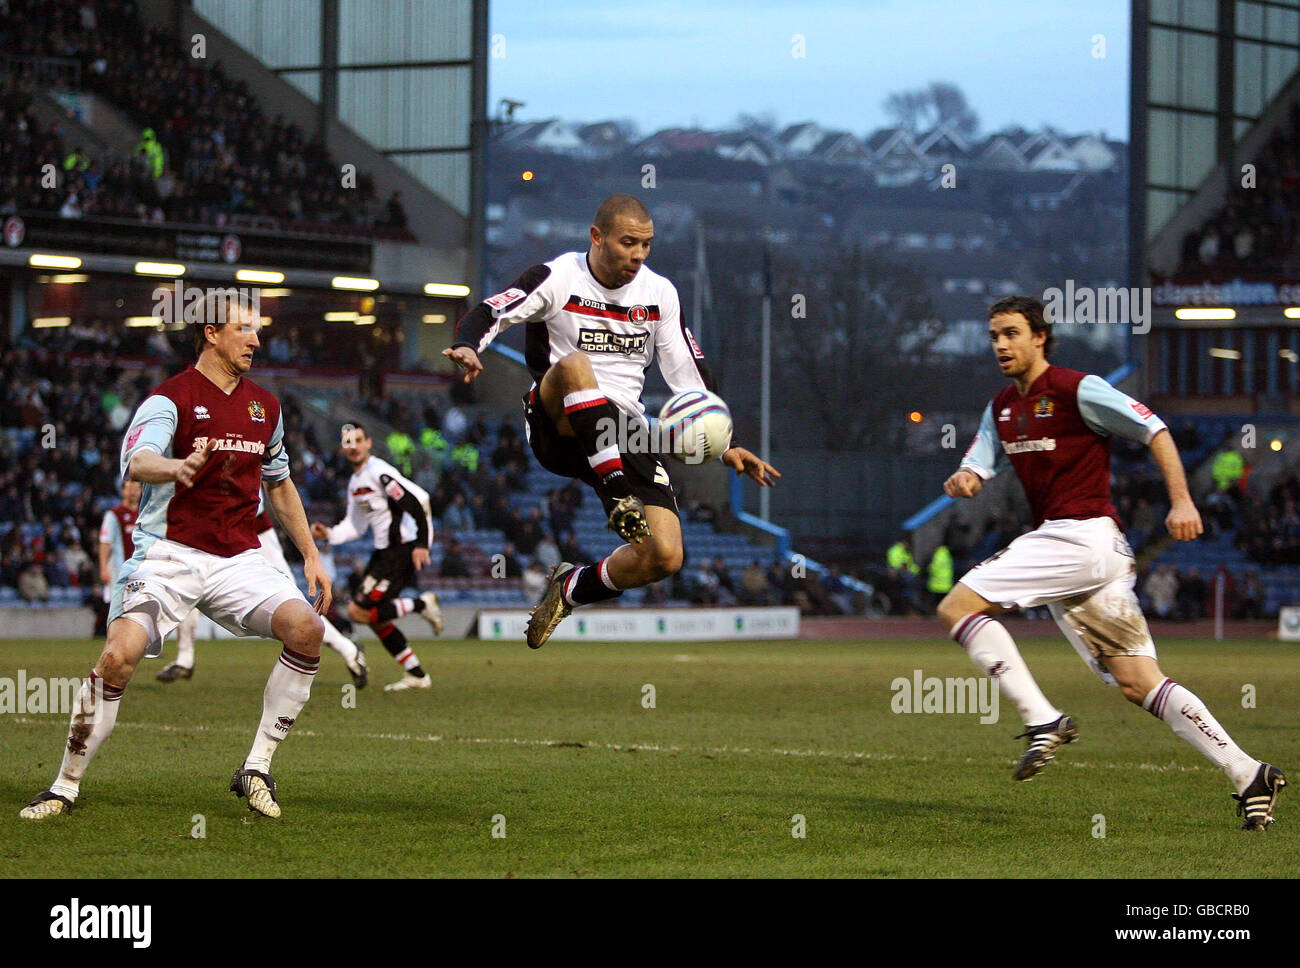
{"points": [[225, 443], [603, 341]]}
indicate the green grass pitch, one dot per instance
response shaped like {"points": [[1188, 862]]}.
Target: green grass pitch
{"points": [[742, 738]]}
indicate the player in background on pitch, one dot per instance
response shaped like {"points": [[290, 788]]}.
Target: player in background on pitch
{"points": [[352, 654], [400, 515], [595, 322], [1054, 426], [203, 444]]}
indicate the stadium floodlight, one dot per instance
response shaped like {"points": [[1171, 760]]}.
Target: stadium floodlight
{"points": [[266, 321], [364, 321], [1275, 444], [276, 293], [342, 317], [135, 321], [446, 289], [69, 278], [1289, 355], [260, 275], [38, 260], [1219, 353], [1291, 312], [49, 322], [159, 269], [354, 282], [433, 318], [1218, 312]]}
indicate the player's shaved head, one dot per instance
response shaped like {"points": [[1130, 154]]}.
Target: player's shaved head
{"points": [[619, 205]]}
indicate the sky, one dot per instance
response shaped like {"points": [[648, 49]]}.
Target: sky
{"points": [[676, 63]]}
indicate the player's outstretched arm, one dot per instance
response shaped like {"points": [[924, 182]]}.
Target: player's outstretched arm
{"points": [[743, 462], [1183, 521], [151, 467], [289, 512], [466, 359]]}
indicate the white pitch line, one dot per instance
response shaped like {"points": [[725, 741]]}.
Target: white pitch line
{"points": [[629, 747]]}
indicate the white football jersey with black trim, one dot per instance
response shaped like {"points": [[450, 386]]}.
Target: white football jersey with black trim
{"points": [[381, 498], [622, 331]]}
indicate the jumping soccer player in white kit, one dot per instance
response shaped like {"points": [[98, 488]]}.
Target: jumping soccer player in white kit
{"points": [[1054, 425], [595, 322], [196, 546]]}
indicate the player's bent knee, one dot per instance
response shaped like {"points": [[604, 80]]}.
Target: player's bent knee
{"points": [[298, 627]]}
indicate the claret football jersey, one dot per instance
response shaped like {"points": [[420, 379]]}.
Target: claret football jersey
{"points": [[1057, 437], [218, 513]]}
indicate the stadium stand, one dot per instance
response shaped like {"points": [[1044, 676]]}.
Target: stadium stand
{"points": [[207, 153]]}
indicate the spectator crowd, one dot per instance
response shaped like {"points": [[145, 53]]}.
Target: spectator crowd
{"points": [[207, 153]]}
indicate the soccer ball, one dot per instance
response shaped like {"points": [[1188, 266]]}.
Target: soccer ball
{"points": [[695, 426]]}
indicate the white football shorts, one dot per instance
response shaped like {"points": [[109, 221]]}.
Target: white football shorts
{"points": [[1085, 572], [166, 580], [273, 553]]}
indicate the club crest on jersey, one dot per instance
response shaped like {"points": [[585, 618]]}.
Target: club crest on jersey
{"points": [[201, 412], [638, 314], [1044, 406], [257, 412]]}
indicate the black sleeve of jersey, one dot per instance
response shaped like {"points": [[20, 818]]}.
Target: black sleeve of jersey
{"points": [[405, 502], [473, 326]]}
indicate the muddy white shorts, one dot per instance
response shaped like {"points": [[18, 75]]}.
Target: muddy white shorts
{"points": [[1084, 571], [164, 581]]}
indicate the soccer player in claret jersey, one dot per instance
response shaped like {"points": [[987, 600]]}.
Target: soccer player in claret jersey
{"points": [[1054, 426], [202, 444], [596, 320], [398, 511]]}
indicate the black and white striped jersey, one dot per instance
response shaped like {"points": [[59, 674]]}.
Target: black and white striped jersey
{"points": [[622, 331]]}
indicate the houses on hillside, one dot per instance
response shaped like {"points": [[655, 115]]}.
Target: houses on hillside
{"points": [[894, 155]]}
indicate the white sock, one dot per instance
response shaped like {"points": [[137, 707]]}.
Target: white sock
{"points": [[287, 690], [992, 648], [185, 640], [404, 606], [93, 717], [408, 658], [1187, 716], [339, 642]]}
